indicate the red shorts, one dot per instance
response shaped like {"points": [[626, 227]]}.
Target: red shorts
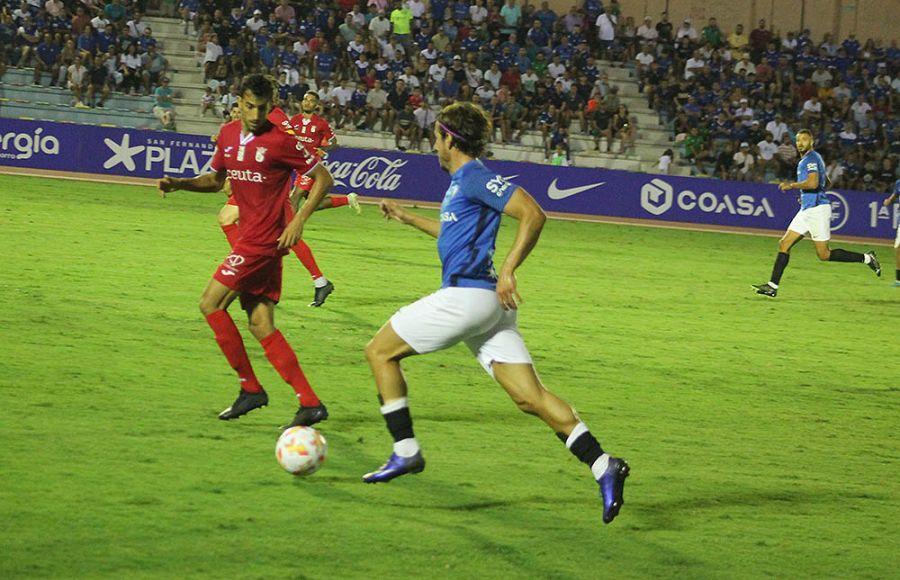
{"points": [[304, 182], [254, 276]]}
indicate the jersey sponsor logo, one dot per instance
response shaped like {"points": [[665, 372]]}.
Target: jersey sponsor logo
{"points": [[840, 210], [260, 154], [498, 186], [657, 197], [246, 175], [25, 146], [161, 151], [555, 192], [373, 172], [448, 216]]}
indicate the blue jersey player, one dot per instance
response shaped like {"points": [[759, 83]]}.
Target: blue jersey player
{"points": [[814, 218], [890, 200], [475, 305]]}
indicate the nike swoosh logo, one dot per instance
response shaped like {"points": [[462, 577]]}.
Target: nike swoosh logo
{"points": [[554, 192]]}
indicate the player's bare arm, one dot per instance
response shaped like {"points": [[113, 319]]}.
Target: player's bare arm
{"points": [[811, 182], [294, 230], [391, 210], [891, 199], [206, 183], [531, 217]]}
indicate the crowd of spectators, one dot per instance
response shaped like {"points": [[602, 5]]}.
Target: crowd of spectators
{"points": [[87, 47], [735, 101]]}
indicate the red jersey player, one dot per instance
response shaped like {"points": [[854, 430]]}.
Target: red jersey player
{"points": [[259, 160]]}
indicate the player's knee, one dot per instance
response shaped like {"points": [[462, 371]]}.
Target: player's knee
{"points": [[208, 306], [374, 353], [227, 217], [260, 328]]}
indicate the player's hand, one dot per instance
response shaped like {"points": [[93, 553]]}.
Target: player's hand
{"points": [[166, 185], [784, 186], [291, 234], [391, 210], [506, 291], [321, 153]]}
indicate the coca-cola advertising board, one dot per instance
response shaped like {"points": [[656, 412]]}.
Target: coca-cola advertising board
{"points": [[380, 173]]}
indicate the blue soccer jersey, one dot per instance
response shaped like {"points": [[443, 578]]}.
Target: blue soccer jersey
{"points": [[897, 188], [470, 219], [812, 163]]}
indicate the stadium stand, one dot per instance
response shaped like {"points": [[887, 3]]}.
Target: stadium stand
{"points": [[606, 91]]}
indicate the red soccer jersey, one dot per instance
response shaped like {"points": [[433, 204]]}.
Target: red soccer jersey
{"points": [[315, 132], [260, 168]]}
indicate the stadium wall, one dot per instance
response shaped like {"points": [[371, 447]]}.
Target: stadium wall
{"points": [[865, 18], [42, 147]]}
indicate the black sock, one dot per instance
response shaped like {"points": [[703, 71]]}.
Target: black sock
{"points": [[781, 262], [898, 276], [839, 255], [399, 423], [586, 448]]}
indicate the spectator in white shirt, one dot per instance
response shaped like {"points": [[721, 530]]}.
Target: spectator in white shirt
{"points": [[860, 107], [777, 128], [767, 149], [743, 163], [438, 71], [493, 75], [812, 109], [556, 68], [686, 30], [646, 30], [256, 22], [380, 26], [665, 160], [478, 12], [693, 65]]}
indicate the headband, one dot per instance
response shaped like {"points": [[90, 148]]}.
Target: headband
{"points": [[448, 130]]}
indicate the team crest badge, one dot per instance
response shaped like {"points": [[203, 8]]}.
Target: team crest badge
{"points": [[260, 154]]}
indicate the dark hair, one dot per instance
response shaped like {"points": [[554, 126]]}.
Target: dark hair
{"points": [[261, 86], [313, 93], [806, 131], [468, 125]]}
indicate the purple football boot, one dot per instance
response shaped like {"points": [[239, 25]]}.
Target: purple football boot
{"points": [[395, 467], [612, 484]]}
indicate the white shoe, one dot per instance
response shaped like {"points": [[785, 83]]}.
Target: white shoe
{"points": [[353, 202]]}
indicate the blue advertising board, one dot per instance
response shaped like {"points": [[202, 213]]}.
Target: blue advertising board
{"points": [[381, 173]]}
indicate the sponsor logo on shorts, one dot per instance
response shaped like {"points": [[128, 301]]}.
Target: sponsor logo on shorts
{"points": [[227, 272]]}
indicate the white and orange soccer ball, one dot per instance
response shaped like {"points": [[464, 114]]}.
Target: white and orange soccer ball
{"points": [[301, 450]]}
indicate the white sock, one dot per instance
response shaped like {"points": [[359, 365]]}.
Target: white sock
{"points": [[579, 429], [406, 447], [599, 466], [320, 282], [394, 405], [773, 285], [867, 258]]}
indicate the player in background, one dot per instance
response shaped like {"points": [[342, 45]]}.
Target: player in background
{"points": [[259, 159], [475, 306], [889, 201], [814, 218], [316, 134]]}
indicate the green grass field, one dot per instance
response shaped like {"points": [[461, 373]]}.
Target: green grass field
{"points": [[762, 434]]}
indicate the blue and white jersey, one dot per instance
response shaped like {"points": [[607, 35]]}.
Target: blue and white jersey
{"points": [[470, 220], [897, 188], [812, 163]]}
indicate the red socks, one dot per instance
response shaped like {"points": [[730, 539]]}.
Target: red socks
{"points": [[231, 233], [282, 357], [338, 200], [305, 255], [232, 345]]}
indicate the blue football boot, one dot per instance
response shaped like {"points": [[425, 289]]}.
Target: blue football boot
{"points": [[395, 467], [612, 484]]}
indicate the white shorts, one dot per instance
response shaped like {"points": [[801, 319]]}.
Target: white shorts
{"points": [[815, 221], [472, 315]]}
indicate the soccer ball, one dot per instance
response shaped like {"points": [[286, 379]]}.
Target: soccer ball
{"points": [[301, 450]]}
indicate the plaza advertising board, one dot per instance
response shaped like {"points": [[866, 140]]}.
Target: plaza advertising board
{"points": [[393, 174]]}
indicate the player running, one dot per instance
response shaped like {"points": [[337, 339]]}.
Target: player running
{"points": [[814, 218], [475, 305], [259, 160], [890, 200]]}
